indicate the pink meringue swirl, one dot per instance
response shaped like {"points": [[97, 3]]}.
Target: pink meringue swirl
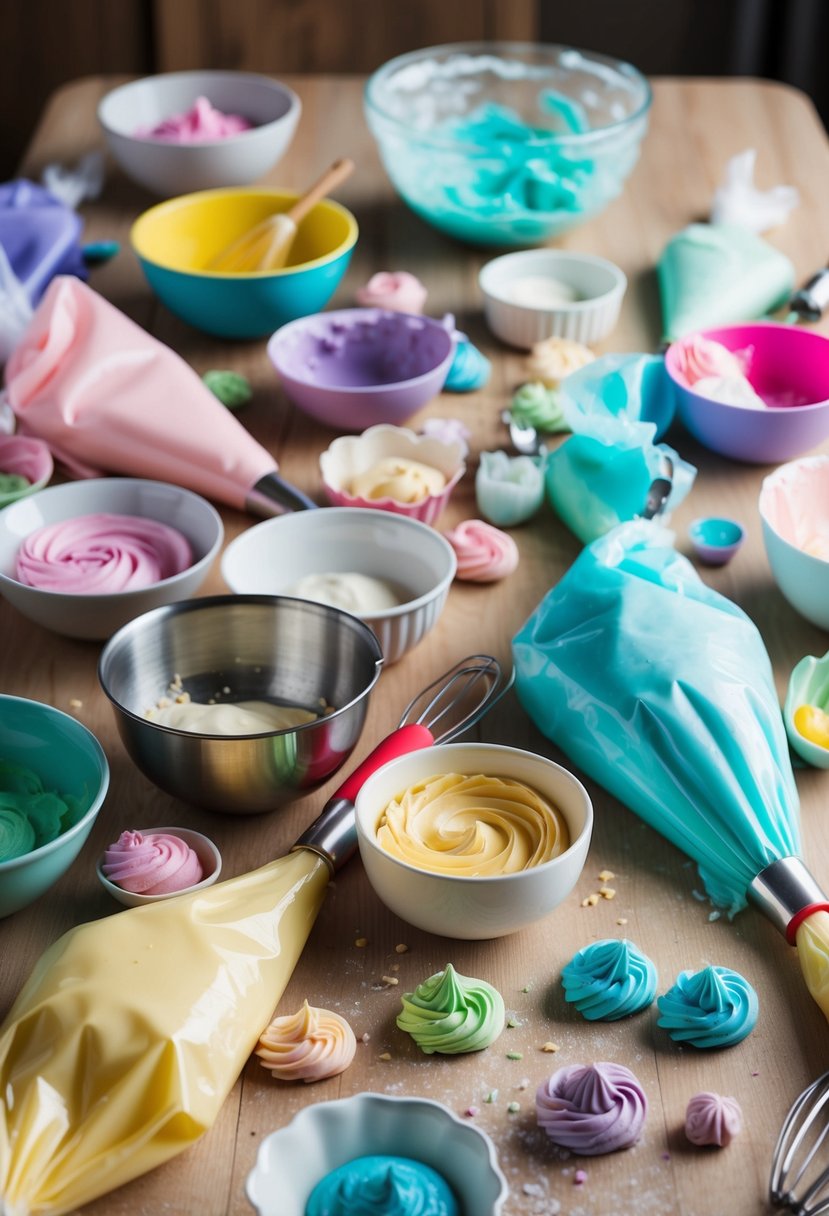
{"points": [[484, 553], [398, 291], [713, 1119], [155, 864], [309, 1045], [102, 554], [698, 357], [200, 123], [592, 1109]]}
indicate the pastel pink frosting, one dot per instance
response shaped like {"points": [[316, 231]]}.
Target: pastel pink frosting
{"points": [[155, 864], [200, 123], [592, 1109], [485, 554], [698, 358], [101, 554], [309, 1045], [397, 291], [713, 1119]]}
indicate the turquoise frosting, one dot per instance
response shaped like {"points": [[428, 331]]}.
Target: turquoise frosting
{"points": [[470, 369], [382, 1186], [715, 1007], [608, 980]]}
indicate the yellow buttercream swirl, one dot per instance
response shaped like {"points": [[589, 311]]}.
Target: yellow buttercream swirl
{"points": [[406, 481], [472, 826]]}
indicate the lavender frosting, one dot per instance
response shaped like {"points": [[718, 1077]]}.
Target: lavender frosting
{"points": [[592, 1109]]}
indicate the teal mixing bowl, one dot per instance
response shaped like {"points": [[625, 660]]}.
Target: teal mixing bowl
{"points": [[69, 760], [176, 242]]}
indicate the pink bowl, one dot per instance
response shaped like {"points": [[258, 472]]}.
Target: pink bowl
{"points": [[788, 367], [357, 367]]}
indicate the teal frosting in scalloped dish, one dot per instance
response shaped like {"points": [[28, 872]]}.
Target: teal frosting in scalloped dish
{"points": [[715, 1007], [608, 980], [382, 1186]]}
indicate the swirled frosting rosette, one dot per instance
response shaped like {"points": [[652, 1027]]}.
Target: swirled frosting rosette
{"points": [[472, 826], [698, 357], [155, 864], [509, 489], [102, 554], [715, 1007], [382, 1186], [470, 369], [713, 1119], [485, 554], [396, 290], [310, 1045], [451, 1013], [592, 1109], [608, 980], [533, 404], [553, 359]]}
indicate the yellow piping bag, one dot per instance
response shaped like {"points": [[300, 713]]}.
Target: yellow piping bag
{"points": [[131, 1031]]}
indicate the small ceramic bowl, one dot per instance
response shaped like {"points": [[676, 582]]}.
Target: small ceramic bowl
{"points": [[808, 685], [544, 293], [169, 168], [176, 241], [69, 760], [794, 514], [98, 616], [716, 541], [27, 457], [357, 367], [291, 1161], [270, 559], [472, 908], [788, 367], [202, 846], [351, 455]]}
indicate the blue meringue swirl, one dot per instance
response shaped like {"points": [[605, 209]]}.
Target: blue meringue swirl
{"points": [[608, 980], [470, 368], [715, 1007]]}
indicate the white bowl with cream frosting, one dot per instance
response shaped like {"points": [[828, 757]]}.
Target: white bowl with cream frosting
{"points": [[449, 900]]}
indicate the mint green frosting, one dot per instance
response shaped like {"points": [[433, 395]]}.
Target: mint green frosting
{"points": [[451, 1013], [608, 980], [382, 1186], [533, 404], [232, 389], [31, 816], [13, 483], [715, 1007]]}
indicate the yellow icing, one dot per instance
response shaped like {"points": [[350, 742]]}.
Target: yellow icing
{"points": [[406, 481], [472, 826], [813, 724]]}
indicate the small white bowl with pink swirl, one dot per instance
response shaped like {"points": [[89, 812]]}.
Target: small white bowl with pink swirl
{"points": [[84, 558], [150, 864]]}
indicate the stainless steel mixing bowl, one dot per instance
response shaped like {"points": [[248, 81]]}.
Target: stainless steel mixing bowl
{"points": [[256, 647]]}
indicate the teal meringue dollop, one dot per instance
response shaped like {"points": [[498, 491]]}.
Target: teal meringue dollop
{"points": [[382, 1186], [608, 980], [509, 489], [715, 1007], [470, 369], [451, 1013]]}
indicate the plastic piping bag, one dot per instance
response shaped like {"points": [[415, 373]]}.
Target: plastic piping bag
{"points": [[105, 394], [662, 691]]}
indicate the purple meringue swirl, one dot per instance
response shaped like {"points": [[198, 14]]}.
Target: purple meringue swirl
{"points": [[713, 1119], [592, 1109], [102, 554]]}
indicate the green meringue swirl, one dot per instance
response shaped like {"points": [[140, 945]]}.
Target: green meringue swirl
{"points": [[451, 1014], [715, 1007], [533, 404], [608, 980]]}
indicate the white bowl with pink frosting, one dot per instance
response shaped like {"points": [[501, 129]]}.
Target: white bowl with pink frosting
{"points": [[151, 864], [84, 558]]}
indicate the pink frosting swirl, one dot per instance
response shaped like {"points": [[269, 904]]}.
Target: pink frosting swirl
{"points": [[101, 554], [592, 1109], [202, 122], [713, 1119], [698, 357], [156, 864], [484, 553], [309, 1045], [398, 291]]}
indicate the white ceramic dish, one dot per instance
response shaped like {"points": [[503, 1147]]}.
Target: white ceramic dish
{"points": [[786, 496], [179, 168], [202, 846], [598, 285], [351, 455], [291, 1161], [473, 908], [98, 616], [270, 559]]}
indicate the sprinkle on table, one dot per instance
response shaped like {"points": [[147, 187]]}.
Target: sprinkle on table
{"points": [[360, 942], [591, 900], [513, 1107], [622, 920], [401, 948], [390, 980], [384, 1055], [607, 892], [580, 1177], [548, 1047], [605, 875], [492, 1096], [515, 1055], [512, 1023]]}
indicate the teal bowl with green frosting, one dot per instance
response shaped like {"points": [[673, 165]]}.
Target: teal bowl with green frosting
{"points": [[48, 761]]}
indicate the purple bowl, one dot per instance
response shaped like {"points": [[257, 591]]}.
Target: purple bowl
{"points": [[788, 366], [357, 367]]}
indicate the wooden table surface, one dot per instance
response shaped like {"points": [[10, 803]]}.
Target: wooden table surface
{"points": [[696, 126]]}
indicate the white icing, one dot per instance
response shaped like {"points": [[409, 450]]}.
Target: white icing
{"points": [[241, 718], [347, 590], [540, 291]]}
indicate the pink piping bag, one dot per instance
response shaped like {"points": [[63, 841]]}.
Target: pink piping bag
{"points": [[106, 395]]}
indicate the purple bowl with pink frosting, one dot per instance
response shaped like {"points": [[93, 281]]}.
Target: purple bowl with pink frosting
{"points": [[357, 367]]}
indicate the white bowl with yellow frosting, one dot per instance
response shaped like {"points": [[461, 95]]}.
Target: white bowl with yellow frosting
{"points": [[473, 840]]}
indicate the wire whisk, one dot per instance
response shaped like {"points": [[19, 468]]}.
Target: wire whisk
{"points": [[459, 698], [797, 1180]]}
